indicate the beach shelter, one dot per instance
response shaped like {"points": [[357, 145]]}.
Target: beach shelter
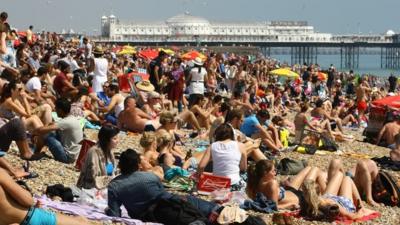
{"points": [[285, 72], [148, 53], [192, 55]]}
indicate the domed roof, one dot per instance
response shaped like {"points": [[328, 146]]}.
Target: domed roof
{"points": [[111, 16], [188, 19], [104, 17], [390, 33]]}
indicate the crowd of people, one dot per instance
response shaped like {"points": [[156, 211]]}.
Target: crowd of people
{"points": [[52, 89]]}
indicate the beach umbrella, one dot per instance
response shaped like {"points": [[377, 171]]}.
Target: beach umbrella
{"points": [[127, 50], [284, 72], [148, 53], [322, 76], [168, 51], [192, 55]]}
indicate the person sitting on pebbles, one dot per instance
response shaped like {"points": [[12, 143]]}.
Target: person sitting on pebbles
{"points": [[18, 207], [134, 119]]}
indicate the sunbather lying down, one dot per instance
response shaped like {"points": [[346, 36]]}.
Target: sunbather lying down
{"points": [[18, 207]]}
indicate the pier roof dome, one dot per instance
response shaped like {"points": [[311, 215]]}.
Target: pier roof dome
{"points": [[390, 33], [187, 19]]}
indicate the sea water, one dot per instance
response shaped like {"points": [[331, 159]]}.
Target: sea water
{"points": [[368, 64]]}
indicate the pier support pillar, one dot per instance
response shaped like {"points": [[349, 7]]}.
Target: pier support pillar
{"points": [[303, 54], [349, 57], [390, 58]]}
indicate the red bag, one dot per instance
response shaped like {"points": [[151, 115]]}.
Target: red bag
{"points": [[86, 145], [209, 183]]}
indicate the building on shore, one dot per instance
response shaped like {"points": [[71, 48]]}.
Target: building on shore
{"points": [[188, 28]]}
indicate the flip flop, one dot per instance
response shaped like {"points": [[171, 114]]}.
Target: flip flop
{"points": [[31, 175]]}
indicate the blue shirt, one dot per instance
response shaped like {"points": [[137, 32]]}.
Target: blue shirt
{"points": [[137, 192], [249, 125]]}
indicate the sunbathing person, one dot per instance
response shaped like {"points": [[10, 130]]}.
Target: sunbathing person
{"points": [[203, 115], [16, 204], [340, 198], [301, 122], [262, 178], [148, 141], [14, 103], [395, 152], [320, 116], [363, 174], [387, 133], [135, 120]]}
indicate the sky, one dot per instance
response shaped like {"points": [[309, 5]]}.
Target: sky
{"points": [[330, 16]]}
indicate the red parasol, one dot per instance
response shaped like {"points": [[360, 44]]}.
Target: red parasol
{"points": [[148, 53], [392, 102]]}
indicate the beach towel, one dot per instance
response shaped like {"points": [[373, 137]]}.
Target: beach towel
{"points": [[260, 204], [89, 212]]}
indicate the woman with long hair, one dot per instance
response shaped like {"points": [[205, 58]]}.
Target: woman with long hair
{"points": [[340, 197], [229, 157], [99, 166], [262, 179], [14, 103]]}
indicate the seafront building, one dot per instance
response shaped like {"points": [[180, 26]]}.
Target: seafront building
{"points": [[188, 28]]}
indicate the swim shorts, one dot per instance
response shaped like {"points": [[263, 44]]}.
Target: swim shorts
{"points": [[362, 105], [37, 216]]}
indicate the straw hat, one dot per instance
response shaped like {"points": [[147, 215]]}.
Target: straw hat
{"points": [[198, 61], [145, 85], [98, 50]]}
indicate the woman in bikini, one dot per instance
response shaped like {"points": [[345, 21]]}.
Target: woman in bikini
{"points": [[262, 179]]}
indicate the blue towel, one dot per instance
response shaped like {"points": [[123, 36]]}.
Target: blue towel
{"points": [[260, 204]]}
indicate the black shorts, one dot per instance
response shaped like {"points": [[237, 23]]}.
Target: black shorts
{"points": [[14, 130]]}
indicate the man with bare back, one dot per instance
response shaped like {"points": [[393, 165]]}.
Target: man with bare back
{"points": [[388, 133], [135, 120], [362, 98]]}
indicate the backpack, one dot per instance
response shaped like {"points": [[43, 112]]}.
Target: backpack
{"points": [[385, 190], [289, 166], [327, 144], [177, 211]]}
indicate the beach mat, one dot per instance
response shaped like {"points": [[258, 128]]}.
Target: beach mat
{"points": [[89, 212]]}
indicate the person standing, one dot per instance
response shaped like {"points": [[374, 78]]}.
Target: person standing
{"points": [[99, 67], [29, 35], [156, 70], [197, 78], [392, 83]]}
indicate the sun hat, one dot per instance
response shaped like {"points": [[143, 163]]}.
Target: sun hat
{"points": [[145, 85], [98, 50], [198, 61]]}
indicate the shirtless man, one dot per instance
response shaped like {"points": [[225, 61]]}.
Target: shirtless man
{"points": [[388, 133], [155, 104], [134, 119], [362, 98], [395, 153], [17, 206]]}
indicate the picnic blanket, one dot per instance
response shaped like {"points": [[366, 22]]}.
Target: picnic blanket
{"points": [[89, 212]]}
